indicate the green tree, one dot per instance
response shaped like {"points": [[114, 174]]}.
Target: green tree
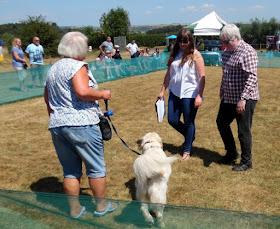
{"points": [[95, 37], [166, 30], [7, 39], [115, 23], [47, 32], [256, 32], [11, 28]]}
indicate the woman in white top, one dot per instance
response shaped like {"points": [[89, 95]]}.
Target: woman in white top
{"points": [[185, 79]]}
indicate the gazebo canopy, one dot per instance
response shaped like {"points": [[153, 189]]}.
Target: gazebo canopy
{"points": [[210, 25], [171, 37]]}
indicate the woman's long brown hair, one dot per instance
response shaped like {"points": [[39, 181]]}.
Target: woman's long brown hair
{"points": [[188, 53]]}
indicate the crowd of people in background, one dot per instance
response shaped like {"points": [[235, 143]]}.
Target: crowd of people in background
{"points": [[110, 56], [108, 60]]}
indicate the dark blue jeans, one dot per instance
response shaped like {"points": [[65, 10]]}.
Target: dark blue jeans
{"points": [[177, 107], [227, 113]]}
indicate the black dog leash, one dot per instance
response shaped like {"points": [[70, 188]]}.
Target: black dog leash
{"points": [[108, 116]]}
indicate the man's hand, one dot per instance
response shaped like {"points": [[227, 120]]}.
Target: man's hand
{"points": [[240, 108]]}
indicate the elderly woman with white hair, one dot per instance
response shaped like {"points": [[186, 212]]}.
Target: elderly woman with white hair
{"points": [[19, 62], [71, 95]]}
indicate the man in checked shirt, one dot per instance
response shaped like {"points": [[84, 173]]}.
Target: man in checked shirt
{"points": [[239, 95]]}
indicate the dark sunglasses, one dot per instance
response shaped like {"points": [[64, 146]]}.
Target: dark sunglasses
{"points": [[225, 42], [184, 41]]}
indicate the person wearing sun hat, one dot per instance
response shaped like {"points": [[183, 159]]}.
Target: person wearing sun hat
{"points": [[114, 49], [117, 55], [108, 55]]}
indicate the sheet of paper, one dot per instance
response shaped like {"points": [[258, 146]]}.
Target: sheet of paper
{"points": [[160, 108]]}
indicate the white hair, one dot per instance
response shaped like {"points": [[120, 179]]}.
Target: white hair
{"points": [[231, 31], [74, 45]]}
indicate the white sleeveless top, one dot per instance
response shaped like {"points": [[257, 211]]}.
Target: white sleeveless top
{"points": [[183, 79]]}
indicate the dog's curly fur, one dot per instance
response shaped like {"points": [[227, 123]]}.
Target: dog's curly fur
{"points": [[152, 171]]}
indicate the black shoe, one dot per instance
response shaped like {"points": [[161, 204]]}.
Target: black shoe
{"points": [[242, 167], [226, 160]]}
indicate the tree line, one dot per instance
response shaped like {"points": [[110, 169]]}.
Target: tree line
{"points": [[116, 23]]}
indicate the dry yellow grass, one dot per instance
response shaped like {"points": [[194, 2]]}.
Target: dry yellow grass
{"points": [[28, 160]]}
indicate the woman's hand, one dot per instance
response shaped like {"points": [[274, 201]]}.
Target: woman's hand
{"points": [[198, 101], [106, 94], [160, 95]]}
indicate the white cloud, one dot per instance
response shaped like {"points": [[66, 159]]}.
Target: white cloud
{"points": [[149, 12], [159, 8], [233, 9], [207, 6], [257, 7], [189, 8]]}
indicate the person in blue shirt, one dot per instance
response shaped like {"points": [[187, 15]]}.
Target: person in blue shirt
{"points": [[19, 62], [106, 46], [35, 52]]}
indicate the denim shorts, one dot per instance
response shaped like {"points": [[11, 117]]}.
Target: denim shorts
{"points": [[77, 144]]}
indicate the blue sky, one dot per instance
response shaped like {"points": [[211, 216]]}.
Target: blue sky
{"points": [[141, 12]]}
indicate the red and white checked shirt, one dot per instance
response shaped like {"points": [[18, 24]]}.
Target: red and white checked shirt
{"points": [[239, 74]]}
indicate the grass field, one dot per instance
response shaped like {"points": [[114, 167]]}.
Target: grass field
{"points": [[28, 160]]}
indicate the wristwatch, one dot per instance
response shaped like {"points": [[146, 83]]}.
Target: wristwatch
{"points": [[242, 98]]}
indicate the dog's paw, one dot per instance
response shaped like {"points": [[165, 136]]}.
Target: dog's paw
{"points": [[149, 219], [160, 222]]}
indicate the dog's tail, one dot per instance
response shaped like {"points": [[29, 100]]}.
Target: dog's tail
{"points": [[146, 167]]}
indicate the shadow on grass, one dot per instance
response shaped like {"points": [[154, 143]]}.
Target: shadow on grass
{"points": [[53, 185], [131, 186], [206, 155], [47, 184], [132, 215]]}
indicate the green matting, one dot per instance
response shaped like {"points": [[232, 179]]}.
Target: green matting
{"points": [[110, 70], [22, 209]]}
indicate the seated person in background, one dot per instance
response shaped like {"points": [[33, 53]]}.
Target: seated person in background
{"points": [[100, 60], [114, 49], [108, 55], [117, 55], [169, 47], [100, 56], [147, 53], [139, 52], [200, 45], [156, 52]]}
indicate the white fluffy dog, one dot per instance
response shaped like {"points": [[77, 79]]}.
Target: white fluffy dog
{"points": [[152, 171]]}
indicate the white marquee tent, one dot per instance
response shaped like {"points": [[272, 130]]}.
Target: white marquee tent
{"points": [[210, 25]]}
